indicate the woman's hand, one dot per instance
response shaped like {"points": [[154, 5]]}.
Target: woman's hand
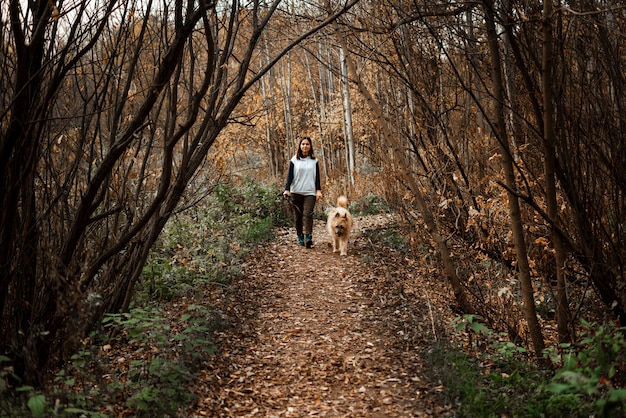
{"points": [[286, 193], [318, 195]]}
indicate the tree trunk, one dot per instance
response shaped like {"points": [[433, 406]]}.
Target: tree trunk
{"points": [[562, 305], [19, 235], [517, 228], [286, 93], [347, 109], [269, 104], [318, 100]]}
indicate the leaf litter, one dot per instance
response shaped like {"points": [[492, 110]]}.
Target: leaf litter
{"points": [[311, 333]]}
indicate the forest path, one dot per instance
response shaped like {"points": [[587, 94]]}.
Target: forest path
{"points": [[312, 334]]}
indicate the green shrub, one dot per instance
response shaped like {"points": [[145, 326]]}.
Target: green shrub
{"points": [[260, 230], [202, 245], [207, 243], [156, 383], [501, 381], [163, 353], [26, 401], [494, 387], [370, 204], [388, 237], [594, 368], [254, 198]]}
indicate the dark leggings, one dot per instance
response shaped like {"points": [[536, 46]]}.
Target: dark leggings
{"points": [[304, 212]]}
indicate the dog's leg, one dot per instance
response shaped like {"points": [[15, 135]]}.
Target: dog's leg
{"points": [[343, 246]]}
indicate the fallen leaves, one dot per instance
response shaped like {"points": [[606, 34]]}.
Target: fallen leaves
{"points": [[312, 335]]}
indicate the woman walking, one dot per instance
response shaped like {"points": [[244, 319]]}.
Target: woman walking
{"points": [[304, 186]]}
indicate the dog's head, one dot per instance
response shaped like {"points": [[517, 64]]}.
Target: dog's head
{"points": [[340, 221]]}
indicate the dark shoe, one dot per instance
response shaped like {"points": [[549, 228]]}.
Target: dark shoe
{"points": [[308, 240], [300, 239]]}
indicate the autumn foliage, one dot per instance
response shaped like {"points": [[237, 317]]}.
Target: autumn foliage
{"points": [[507, 163]]}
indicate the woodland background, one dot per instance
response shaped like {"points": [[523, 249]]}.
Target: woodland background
{"points": [[491, 126]]}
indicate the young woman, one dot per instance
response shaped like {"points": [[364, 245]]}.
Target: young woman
{"points": [[303, 185]]}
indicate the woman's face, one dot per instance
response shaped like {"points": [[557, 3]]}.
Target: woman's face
{"points": [[305, 146]]}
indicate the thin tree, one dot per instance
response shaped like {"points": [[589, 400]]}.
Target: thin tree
{"points": [[562, 305], [506, 156], [347, 117]]}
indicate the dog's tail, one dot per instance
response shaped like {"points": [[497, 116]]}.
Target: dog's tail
{"points": [[342, 201]]}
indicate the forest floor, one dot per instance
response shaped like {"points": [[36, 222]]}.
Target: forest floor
{"points": [[311, 333]]}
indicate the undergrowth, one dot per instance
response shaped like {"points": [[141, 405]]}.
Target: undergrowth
{"points": [[580, 380], [166, 335], [370, 204]]}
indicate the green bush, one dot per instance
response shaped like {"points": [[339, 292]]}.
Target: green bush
{"points": [[26, 401], [156, 384], [254, 198], [494, 387], [501, 381], [388, 237], [203, 245], [260, 230], [207, 243], [593, 369], [370, 204]]}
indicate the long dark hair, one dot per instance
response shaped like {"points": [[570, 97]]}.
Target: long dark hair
{"points": [[299, 155]]}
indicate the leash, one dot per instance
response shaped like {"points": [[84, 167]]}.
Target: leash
{"points": [[289, 201]]}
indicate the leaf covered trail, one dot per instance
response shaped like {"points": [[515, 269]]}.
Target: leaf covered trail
{"points": [[315, 334]]}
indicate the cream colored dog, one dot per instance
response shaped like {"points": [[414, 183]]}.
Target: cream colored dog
{"points": [[339, 225]]}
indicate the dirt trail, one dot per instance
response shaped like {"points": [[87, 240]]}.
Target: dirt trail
{"points": [[310, 336]]}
